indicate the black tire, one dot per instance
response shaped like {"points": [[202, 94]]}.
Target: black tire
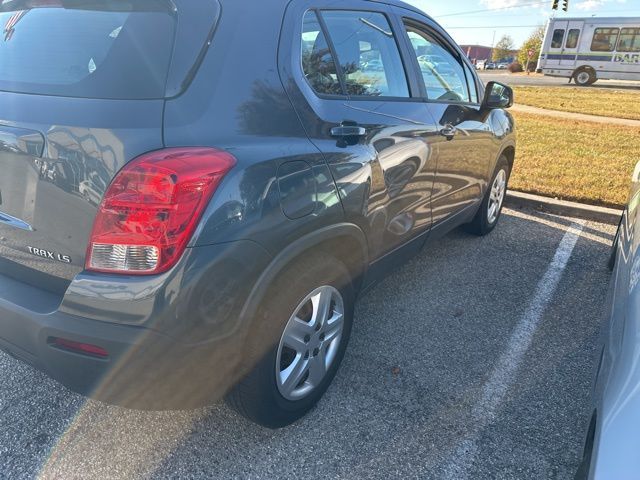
{"points": [[585, 77], [613, 256], [257, 396], [480, 225]]}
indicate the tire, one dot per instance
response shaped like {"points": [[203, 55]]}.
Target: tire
{"points": [[585, 77], [613, 256], [262, 396], [486, 219]]}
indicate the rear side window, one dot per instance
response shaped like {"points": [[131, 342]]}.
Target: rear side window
{"points": [[317, 62], [629, 40], [117, 50], [367, 53], [572, 38], [558, 36], [604, 39]]}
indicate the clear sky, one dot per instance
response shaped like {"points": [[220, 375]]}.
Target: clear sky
{"points": [[475, 21]]}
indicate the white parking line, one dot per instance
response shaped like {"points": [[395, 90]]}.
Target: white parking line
{"points": [[503, 375]]}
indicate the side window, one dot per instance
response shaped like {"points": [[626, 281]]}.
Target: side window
{"points": [[367, 52], [317, 62], [629, 40], [471, 81], [443, 75], [604, 40], [572, 38], [558, 36]]}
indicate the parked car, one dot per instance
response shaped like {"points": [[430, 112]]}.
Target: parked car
{"points": [[437, 62], [374, 65], [258, 183], [613, 436], [502, 66], [490, 66]]}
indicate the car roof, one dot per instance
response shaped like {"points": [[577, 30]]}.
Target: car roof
{"points": [[401, 4]]}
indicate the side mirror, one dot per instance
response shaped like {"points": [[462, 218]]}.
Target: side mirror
{"points": [[497, 95]]}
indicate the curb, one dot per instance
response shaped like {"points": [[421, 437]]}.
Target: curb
{"points": [[564, 208]]}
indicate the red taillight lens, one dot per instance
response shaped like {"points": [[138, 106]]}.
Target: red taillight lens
{"points": [[152, 207]]}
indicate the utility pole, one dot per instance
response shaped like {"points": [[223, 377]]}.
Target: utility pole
{"points": [[493, 45]]}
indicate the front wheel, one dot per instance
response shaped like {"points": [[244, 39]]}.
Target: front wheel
{"points": [[490, 209], [297, 342]]}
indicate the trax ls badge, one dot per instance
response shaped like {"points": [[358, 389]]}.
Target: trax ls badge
{"points": [[50, 255]]}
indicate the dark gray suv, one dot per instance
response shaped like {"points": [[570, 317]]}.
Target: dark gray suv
{"points": [[193, 193]]}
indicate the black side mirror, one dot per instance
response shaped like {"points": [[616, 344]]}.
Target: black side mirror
{"points": [[497, 95]]}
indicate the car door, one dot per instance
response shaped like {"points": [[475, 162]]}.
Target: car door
{"points": [[452, 95], [362, 108]]}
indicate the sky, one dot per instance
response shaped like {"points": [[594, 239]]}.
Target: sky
{"points": [[475, 21]]}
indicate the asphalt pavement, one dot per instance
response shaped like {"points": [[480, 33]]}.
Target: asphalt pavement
{"points": [[474, 360]]}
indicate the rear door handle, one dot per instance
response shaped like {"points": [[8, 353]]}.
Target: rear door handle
{"points": [[346, 130], [449, 131]]}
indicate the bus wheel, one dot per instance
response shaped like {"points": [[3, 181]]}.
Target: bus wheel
{"points": [[585, 76]]}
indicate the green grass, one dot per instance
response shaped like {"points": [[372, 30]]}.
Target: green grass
{"points": [[579, 161], [602, 102]]}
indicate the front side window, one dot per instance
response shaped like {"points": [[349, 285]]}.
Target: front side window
{"points": [[367, 53], [473, 88], [558, 36], [604, 40], [572, 38], [442, 73], [318, 64], [629, 40]]}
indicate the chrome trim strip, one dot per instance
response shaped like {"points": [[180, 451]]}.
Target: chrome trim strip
{"points": [[15, 222]]}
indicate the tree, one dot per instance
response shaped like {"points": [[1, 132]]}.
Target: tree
{"points": [[503, 48], [533, 43]]}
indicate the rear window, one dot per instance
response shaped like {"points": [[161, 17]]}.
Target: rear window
{"points": [[117, 49]]}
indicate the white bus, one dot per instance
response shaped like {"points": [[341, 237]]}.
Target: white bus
{"points": [[591, 48]]}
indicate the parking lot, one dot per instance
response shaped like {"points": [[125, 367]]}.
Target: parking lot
{"points": [[472, 361]]}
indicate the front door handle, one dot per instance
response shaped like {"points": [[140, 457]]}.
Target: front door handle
{"points": [[348, 130], [449, 131]]}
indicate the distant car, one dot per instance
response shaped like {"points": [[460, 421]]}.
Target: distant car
{"points": [[437, 62], [490, 66], [374, 65], [611, 447], [503, 66]]}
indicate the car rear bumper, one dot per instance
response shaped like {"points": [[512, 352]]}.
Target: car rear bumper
{"points": [[192, 363]]}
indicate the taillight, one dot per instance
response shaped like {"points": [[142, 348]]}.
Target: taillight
{"points": [[151, 209]]}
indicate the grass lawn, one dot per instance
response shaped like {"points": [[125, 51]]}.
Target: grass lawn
{"points": [[603, 102], [579, 161]]}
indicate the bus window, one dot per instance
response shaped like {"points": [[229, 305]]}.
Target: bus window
{"points": [[604, 39], [572, 38], [629, 40], [558, 36]]}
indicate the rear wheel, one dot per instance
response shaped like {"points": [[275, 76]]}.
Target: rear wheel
{"points": [[491, 207], [585, 77], [297, 343]]}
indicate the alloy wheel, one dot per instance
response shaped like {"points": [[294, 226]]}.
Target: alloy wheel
{"points": [[496, 196], [310, 343]]}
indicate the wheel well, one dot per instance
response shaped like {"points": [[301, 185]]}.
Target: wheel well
{"points": [[347, 250], [510, 154]]}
